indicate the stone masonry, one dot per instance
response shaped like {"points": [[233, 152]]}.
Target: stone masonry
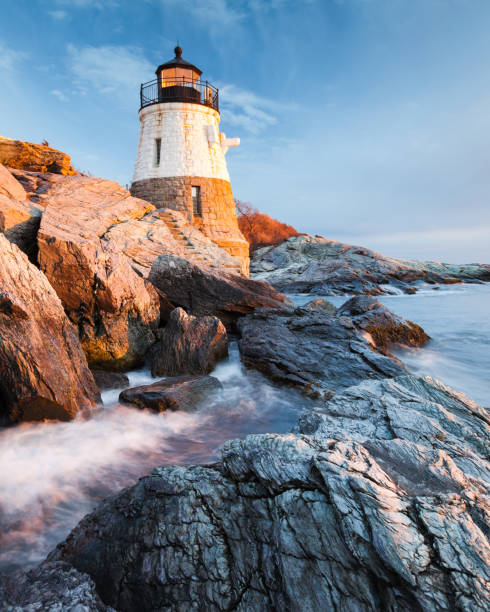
{"points": [[218, 215]]}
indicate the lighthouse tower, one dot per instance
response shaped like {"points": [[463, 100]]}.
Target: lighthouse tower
{"points": [[181, 154]]}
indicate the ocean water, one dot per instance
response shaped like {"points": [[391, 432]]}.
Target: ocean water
{"points": [[52, 474], [457, 318]]}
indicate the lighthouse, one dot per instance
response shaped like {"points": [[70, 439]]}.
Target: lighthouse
{"points": [[180, 163]]}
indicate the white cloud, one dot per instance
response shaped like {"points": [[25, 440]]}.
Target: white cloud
{"points": [[59, 94], [88, 4], [245, 109], [10, 59], [109, 69], [213, 14], [58, 15]]}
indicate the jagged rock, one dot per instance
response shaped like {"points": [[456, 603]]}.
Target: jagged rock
{"points": [[178, 393], [19, 219], [52, 587], [383, 326], [189, 345], [313, 264], [35, 157], [204, 291], [43, 371], [310, 349], [97, 246], [390, 519], [110, 380]]}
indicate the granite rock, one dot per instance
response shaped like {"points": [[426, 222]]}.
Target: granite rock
{"points": [[313, 264], [43, 370], [358, 514], [311, 349], [176, 393], [189, 345]]}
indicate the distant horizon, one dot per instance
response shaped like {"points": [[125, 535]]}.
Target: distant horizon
{"points": [[364, 121]]}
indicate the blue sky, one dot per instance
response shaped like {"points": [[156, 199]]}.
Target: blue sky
{"points": [[366, 121]]}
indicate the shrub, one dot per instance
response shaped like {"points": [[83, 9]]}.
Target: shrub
{"points": [[260, 229]]}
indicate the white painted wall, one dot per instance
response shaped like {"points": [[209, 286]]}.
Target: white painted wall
{"points": [[190, 142]]}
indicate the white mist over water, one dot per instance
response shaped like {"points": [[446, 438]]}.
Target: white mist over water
{"points": [[54, 473]]}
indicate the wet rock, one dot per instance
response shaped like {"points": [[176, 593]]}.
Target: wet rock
{"points": [[43, 370], [384, 327], [313, 264], [204, 291], [391, 518], [311, 349], [178, 393], [110, 380], [52, 587], [189, 345]]}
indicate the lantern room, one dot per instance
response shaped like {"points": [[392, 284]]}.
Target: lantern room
{"points": [[179, 81]]}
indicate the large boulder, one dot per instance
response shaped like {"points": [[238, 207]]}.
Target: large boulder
{"points": [[384, 327], [313, 264], [35, 157], [189, 345], [100, 247], [43, 370], [178, 393], [52, 587], [206, 291], [394, 517], [311, 349]]}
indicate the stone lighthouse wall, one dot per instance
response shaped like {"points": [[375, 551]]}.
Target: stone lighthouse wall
{"points": [[191, 155]]}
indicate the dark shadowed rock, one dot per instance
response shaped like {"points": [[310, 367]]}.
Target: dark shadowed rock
{"points": [[110, 380], [383, 507], [204, 291], [19, 218], [51, 587], [313, 264], [178, 393], [384, 327], [189, 345], [43, 370], [311, 349]]}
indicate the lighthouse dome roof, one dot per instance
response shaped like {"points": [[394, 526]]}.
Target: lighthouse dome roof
{"points": [[178, 62]]}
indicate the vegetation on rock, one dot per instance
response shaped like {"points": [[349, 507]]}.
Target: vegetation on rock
{"points": [[259, 229]]}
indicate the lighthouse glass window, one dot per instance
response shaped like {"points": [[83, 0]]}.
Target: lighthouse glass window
{"points": [[196, 201]]}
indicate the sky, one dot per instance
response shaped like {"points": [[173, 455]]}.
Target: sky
{"points": [[365, 121]]}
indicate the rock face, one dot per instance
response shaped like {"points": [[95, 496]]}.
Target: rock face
{"points": [[204, 291], [189, 345], [179, 393], [110, 380], [310, 349], [380, 507], [37, 158], [97, 246], [52, 587], [19, 218], [313, 264], [383, 326], [43, 371]]}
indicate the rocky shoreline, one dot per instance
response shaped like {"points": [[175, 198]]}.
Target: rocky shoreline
{"points": [[377, 500], [316, 265]]}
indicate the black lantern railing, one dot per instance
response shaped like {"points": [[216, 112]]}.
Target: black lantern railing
{"points": [[179, 89]]}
